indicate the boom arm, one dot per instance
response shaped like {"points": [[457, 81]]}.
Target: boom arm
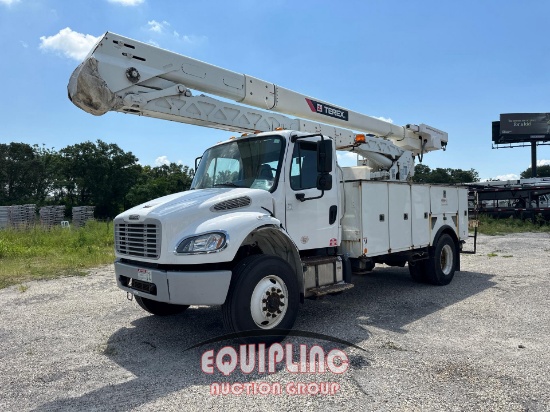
{"points": [[121, 74]]}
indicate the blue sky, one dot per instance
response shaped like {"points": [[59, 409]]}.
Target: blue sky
{"points": [[453, 65]]}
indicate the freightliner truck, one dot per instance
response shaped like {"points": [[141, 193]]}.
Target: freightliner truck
{"points": [[271, 218]]}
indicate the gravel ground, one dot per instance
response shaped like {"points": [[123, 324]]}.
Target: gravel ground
{"points": [[480, 343]]}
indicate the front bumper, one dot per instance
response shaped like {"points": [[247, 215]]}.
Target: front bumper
{"points": [[179, 288]]}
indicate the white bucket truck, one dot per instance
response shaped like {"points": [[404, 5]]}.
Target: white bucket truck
{"points": [[271, 218]]}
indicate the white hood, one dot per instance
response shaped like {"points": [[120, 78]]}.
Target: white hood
{"points": [[185, 204]]}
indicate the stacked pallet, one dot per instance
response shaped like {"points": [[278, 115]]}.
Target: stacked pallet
{"points": [[21, 216], [81, 214], [52, 215], [4, 216]]}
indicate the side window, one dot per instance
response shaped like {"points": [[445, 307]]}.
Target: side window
{"points": [[303, 172]]}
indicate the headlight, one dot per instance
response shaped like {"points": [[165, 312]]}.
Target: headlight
{"points": [[206, 243]]}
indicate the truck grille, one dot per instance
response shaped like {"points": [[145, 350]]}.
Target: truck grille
{"points": [[138, 239]]}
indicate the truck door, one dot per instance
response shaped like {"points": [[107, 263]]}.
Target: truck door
{"points": [[312, 223]]}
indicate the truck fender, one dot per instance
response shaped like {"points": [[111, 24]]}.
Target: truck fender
{"points": [[271, 239]]}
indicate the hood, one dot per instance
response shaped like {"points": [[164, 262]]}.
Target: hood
{"points": [[216, 199]]}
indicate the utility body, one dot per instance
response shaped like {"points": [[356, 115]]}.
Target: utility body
{"points": [[271, 218]]}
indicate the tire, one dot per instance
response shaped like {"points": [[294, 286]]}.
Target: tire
{"points": [[440, 267], [263, 296], [417, 270], [159, 308]]}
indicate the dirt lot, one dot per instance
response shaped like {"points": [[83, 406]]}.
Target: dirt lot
{"points": [[481, 343]]}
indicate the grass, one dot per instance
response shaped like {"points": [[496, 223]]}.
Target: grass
{"points": [[39, 253], [490, 226]]}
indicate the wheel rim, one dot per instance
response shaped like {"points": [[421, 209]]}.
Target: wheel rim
{"points": [[269, 302], [446, 259]]}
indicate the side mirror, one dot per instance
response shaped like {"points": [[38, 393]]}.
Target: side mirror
{"points": [[324, 156], [197, 161], [324, 181]]}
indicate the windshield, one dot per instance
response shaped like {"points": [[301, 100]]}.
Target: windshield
{"points": [[252, 163]]}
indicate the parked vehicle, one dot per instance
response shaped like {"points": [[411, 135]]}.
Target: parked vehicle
{"points": [[271, 218]]}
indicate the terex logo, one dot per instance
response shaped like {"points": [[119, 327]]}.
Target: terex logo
{"points": [[327, 110]]}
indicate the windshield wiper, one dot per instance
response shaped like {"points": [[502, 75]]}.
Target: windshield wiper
{"points": [[230, 184]]}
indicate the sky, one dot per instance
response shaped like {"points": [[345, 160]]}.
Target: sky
{"points": [[454, 65]]}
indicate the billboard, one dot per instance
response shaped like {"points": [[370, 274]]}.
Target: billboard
{"points": [[522, 127]]}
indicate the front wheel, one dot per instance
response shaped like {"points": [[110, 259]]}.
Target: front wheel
{"points": [[441, 266], [159, 308], [263, 296]]}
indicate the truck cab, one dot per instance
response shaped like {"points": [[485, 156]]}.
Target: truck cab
{"points": [[270, 193]]}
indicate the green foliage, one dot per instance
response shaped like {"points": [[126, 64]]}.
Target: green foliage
{"points": [[491, 226], [542, 171], [159, 181], [38, 253], [26, 173], [423, 174], [98, 174]]}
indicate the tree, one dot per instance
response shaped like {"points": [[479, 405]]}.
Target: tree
{"points": [[159, 181], [423, 174], [98, 174], [26, 173], [542, 171]]}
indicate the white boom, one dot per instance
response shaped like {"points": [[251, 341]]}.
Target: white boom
{"points": [[121, 74]]}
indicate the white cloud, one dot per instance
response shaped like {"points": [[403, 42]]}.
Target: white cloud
{"points": [[25, 45], [164, 28], [191, 39], [153, 43], [543, 162], [346, 158], [162, 160], [127, 2], [158, 27], [386, 119], [9, 2], [509, 176], [69, 43]]}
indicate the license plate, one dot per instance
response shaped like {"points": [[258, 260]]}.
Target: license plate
{"points": [[145, 275]]}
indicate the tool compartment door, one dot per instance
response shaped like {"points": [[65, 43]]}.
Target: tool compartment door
{"points": [[420, 199], [375, 219], [399, 202]]}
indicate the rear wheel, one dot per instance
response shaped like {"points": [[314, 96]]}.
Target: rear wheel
{"points": [[442, 264], [263, 296], [159, 308]]}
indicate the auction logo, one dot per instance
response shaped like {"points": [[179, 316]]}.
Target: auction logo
{"points": [[261, 358]]}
